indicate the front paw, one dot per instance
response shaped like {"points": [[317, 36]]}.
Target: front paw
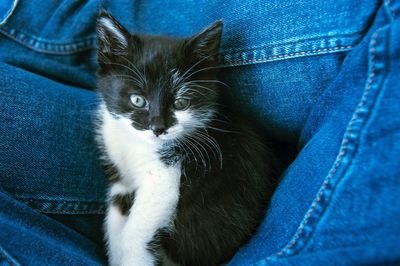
{"points": [[137, 258], [130, 256], [114, 257]]}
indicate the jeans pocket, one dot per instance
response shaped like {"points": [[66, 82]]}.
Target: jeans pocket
{"points": [[53, 27]]}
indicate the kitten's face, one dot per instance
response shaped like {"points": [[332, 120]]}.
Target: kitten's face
{"points": [[164, 88]]}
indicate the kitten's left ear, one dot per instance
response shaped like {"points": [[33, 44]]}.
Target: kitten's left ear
{"points": [[206, 43], [112, 37]]}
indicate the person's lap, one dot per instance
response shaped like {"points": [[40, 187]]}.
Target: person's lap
{"points": [[30, 238], [337, 203], [328, 87], [48, 163]]}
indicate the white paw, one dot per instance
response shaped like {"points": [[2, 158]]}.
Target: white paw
{"points": [[114, 257], [137, 258]]}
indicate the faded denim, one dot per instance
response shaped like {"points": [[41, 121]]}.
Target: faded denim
{"points": [[321, 76]]}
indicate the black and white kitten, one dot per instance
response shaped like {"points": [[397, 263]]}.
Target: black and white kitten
{"points": [[189, 177]]}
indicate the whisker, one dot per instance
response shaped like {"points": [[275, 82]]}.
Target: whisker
{"points": [[196, 141], [129, 78], [194, 65], [136, 70], [190, 143], [199, 86], [191, 151], [202, 69], [209, 81], [213, 143], [207, 143]]}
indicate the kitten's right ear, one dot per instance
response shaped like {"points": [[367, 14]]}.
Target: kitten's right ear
{"points": [[207, 42], [112, 37]]}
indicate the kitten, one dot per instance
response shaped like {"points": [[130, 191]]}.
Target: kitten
{"points": [[189, 177]]}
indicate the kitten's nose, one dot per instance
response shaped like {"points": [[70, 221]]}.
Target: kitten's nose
{"points": [[157, 126], [157, 131]]}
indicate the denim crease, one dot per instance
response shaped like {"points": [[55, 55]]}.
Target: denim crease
{"points": [[347, 150], [317, 75], [334, 41], [4, 255], [376, 48], [6, 10]]}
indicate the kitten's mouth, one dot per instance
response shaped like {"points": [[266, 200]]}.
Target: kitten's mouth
{"points": [[150, 137], [155, 138], [170, 134]]}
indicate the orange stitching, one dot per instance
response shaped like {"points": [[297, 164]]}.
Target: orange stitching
{"points": [[341, 154]]}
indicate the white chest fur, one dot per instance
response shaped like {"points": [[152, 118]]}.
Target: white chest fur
{"points": [[156, 187]]}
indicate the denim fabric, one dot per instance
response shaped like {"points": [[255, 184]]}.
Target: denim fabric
{"points": [[343, 186], [57, 245], [321, 75], [6, 10], [254, 33]]}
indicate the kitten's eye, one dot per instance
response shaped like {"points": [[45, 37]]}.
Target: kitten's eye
{"points": [[181, 104], [138, 101]]}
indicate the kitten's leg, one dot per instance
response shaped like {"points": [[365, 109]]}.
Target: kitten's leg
{"points": [[120, 201], [165, 260], [114, 224], [155, 204]]}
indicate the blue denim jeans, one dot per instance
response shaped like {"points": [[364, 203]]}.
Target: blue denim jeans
{"points": [[320, 76]]}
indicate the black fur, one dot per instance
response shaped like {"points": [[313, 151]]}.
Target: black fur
{"points": [[219, 209], [124, 202], [111, 172], [222, 200]]}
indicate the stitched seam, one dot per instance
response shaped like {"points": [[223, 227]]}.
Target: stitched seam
{"points": [[284, 42], [58, 201], [9, 12], [52, 51], [99, 212], [65, 207], [88, 44], [12, 31], [339, 160], [291, 55], [6, 258], [389, 4]]}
